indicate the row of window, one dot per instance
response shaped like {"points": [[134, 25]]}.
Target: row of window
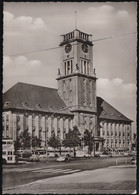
{"points": [[7, 152], [68, 67], [116, 134], [84, 67], [116, 141], [116, 145], [115, 124]]}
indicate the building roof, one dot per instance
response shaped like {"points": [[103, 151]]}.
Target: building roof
{"points": [[43, 99], [107, 112], [32, 97]]}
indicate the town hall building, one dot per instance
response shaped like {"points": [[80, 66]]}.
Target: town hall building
{"points": [[43, 110]]}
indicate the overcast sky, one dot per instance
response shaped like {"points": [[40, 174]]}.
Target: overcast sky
{"points": [[36, 26]]}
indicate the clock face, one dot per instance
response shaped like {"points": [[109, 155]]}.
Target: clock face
{"points": [[85, 48], [68, 48]]}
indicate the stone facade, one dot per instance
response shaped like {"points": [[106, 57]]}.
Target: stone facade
{"points": [[38, 109], [40, 125], [116, 135], [77, 79]]}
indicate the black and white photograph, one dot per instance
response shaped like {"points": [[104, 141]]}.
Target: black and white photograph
{"points": [[69, 98]]}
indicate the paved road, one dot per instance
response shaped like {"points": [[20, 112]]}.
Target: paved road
{"points": [[24, 174], [111, 180]]}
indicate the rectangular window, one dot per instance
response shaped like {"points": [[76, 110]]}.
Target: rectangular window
{"points": [[9, 152], [81, 66], [52, 124], [84, 67], [68, 67], [40, 133], [4, 152], [88, 68], [65, 68], [33, 133], [33, 122], [26, 121], [10, 158], [18, 118], [39, 123], [58, 125], [71, 66]]}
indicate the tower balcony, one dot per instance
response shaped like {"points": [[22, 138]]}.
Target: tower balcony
{"points": [[76, 35]]}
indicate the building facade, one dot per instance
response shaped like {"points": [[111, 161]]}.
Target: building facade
{"points": [[43, 110]]}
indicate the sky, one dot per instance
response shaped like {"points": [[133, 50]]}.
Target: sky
{"points": [[37, 26]]}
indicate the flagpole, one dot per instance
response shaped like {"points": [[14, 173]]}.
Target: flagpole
{"points": [[75, 20]]}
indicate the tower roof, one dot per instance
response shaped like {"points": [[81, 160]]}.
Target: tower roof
{"points": [[107, 112], [76, 35], [36, 98]]}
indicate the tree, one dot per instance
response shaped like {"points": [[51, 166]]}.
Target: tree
{"points": [[72, 139], [36, 142], [88, 140], [134, 144], [17, 144], [54, 142], [23, 140]]}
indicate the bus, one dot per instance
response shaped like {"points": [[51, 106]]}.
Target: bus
{"points": [[8, 151], [51, 152]]}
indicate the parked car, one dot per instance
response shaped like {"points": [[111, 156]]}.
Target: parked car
{"points": [[63, 158], [133, 160], [87, 155], [34, 158]]}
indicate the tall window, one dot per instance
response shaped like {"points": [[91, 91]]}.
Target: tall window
{"points": [[33, 122], [65, 68], [58, 126], [85, 66], [40, 134], [68, 67], [81, 66], [71, 66], [26, 121], [39, 123]]}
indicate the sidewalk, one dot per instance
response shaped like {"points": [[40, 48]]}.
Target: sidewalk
{"points": [[112, 180]]}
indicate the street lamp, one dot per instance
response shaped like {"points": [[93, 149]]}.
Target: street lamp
{"points": [[98, 126]]}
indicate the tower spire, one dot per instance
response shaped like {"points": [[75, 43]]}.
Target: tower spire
{"points": [[75, 20]]}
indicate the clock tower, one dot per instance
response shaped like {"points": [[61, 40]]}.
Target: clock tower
{"points": [[77, 79]]}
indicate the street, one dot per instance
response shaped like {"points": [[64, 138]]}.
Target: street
{"points": [[33, 172]]}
